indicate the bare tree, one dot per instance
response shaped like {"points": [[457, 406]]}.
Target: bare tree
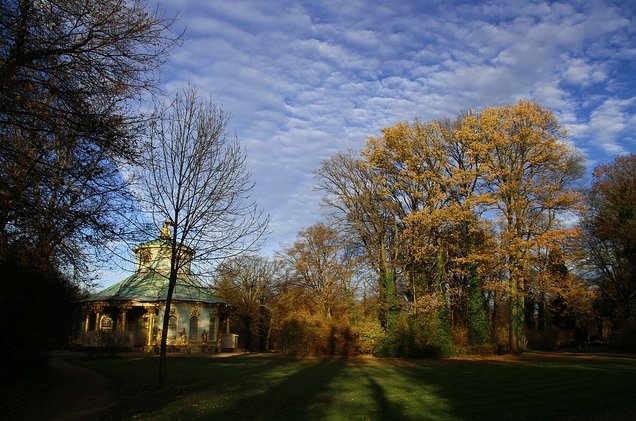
{"points": [[250, 284], [361, 207], [70, 74], [609, 240], [196, 178]]}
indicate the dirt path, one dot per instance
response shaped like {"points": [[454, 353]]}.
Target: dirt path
{"points": [[81, 395]]}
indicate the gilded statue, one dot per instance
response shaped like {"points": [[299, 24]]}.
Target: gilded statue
{"points": [[165, 230]]}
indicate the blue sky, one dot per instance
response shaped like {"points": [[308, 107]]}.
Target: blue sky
{"points": [[306, 79]]}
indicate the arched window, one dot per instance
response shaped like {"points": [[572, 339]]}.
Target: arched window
{"points": [[106, 323], [194, 328]]}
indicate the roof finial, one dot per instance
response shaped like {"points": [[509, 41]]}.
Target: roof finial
{"points": [[165, 230]]}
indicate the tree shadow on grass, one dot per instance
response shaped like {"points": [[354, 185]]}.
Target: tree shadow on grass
{"points": [[280, 388], [300, 394], [139, 395], [524, 389], [385, 408], [241, 387]]}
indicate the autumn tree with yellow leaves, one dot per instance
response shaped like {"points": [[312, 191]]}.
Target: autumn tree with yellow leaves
{"points": [[324, 267], [473, 208], [318, 295], [530, 176], [250, 284], [428, 170]]}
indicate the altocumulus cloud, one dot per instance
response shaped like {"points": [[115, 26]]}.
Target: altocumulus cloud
{"points": [[304, 79]]}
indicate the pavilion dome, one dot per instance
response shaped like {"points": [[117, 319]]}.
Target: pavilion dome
{"points": [[149, 283], [150, 286]]}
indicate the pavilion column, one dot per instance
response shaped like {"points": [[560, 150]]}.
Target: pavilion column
{"points": [[87, 320], [215, 336], [98, 315], [150, 312], [121, 323]]}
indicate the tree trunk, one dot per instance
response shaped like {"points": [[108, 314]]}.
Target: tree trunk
{"points": [[477, 320], [269, 334], [517, 337], [478, 326], [388, 306], [247, 326], [172, 280]]}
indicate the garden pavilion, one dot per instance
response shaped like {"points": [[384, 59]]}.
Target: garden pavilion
{"points": [[129, 314]]}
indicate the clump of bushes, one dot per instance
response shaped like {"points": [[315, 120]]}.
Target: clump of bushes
{"points": [[37, 311], [368, 334], [307, 336], [417, 336], [625, 337], [550, 338]]}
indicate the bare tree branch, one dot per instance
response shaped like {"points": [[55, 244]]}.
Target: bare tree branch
{"points": [[196, 177]]}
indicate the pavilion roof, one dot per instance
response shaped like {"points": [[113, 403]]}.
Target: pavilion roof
{"points": [[150, 282], [152, 286]]}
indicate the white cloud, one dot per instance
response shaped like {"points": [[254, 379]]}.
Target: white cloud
{"points": [[582, 73], [611, 120], [304, 79]]}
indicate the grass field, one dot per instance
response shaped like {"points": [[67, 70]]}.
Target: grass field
{"points": [[259, 388]]}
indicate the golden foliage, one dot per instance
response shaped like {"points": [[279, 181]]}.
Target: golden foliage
{"points": [[479, 199]]}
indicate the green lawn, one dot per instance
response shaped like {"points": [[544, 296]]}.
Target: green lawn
{"points": [[278, 388]]}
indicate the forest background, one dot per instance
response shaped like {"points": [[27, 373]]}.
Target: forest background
{"points": [[460, 235], [442, 236]]}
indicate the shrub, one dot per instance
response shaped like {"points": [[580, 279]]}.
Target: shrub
{"points": [[36, 313], [418, 336], [542, 339], [461, 339], [625, 338], [307, 336], [388, 345], [302, 337], [367, 335]]}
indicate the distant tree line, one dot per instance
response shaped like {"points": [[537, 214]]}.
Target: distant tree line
{"points": [[71, 72], [458, 235], [470, 233]]}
